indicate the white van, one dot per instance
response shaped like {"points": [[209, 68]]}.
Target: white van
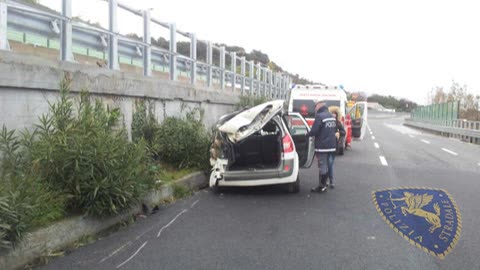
{"points": [[302, 100], [303, 97]]}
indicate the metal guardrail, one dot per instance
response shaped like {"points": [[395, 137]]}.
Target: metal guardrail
{"points": [[442, 111], [461, 129], [61, 28]]}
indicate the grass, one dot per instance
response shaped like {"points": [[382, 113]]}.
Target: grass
{"points": [[180, 192], [169, 174]]}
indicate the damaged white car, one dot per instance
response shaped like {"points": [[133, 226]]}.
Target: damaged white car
{"points": [[263, 145]]}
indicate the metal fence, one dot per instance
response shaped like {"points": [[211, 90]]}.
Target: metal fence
{"points": [[447, 111], [73, 38], [460, 129]]}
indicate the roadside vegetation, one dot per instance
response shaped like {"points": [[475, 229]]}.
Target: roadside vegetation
{"points": [[469, 102], [179, 142], [391, 102], [247, 101], [78, 160]]}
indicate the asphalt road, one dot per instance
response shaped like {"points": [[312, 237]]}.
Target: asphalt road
{"points": [[267, 228]]}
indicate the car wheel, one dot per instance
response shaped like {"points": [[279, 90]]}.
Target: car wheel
{"points": [[295, 186], [341, 150]]}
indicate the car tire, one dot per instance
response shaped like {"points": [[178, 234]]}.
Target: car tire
{"points": [[217, 190], [356, 132], [341, 146], [341, 150], [295, 186]]}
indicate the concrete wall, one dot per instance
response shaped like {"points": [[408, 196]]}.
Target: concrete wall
{"points": [[27, 83]]}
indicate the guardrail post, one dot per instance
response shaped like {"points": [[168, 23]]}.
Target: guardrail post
{"points": [[258, 78], [147, 49], [66, 39], [210, 63], [3, 26], [113, 39], [250, 75], [193, 55], [222, 68], [233, 56], [287, 86], [242, 70], [264, 80], [270, 83], [173, 52], [275, 85]]}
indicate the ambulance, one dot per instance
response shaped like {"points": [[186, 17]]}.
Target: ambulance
{"points": [[302, 100]]}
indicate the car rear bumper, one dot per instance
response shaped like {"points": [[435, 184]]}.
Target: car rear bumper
{"points": [[261, 174], [257, 179]]}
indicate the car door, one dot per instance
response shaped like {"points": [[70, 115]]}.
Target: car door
{"points": [[298, 128]]}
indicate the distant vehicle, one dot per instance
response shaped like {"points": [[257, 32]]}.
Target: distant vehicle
{"points": [[302, 100], [263, 145], [358, 113]]}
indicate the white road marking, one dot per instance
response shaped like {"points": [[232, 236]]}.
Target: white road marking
{"points": [[134, 254], [194, 203], [425, 141], [371, 237], [376, 145], [402, 129], [411, 136], [128, 244], [478, 164], [383, 160], [449, 151], [116, 251], [170, 223], [373, 137]]}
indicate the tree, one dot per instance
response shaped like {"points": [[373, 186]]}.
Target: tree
{"points": [[392, 102], [469, 103], [438, 95], [258, 57]]}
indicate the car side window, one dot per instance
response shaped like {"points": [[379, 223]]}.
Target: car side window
{"points": [[295, 125]]}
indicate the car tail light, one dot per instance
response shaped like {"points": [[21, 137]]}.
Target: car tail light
{"points": [[288, 146]]}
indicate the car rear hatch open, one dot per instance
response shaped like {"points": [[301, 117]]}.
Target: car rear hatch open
{"points": [[250, 121], [244, 134]]}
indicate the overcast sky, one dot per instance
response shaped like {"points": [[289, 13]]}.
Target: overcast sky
{"points": [[403, 48]]}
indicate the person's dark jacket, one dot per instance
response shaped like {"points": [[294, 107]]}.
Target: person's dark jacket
{"points": [[340, 129], [324, 128]]}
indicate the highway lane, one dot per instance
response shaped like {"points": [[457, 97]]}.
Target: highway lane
{"points": [[417, 159], [267, 228]]}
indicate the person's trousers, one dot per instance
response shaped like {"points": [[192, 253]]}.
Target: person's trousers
{"points": [[330, 161], [322, 159]]}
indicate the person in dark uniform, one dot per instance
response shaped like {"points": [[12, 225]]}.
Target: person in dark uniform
{"points": [[323, 129], [339, 134]]}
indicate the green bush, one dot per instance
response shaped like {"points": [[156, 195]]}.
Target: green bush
{"points": [[25, 201], [247, 101], [80, 152], [184, 142], [145, 126]]}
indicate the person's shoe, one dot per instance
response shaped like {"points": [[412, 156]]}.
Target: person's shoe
{"points": [[332, 185], [316, 189], [323, 189]]}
